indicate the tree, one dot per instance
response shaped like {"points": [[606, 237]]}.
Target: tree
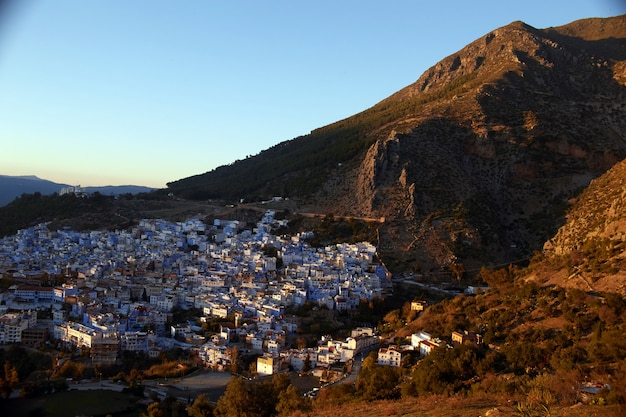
{"points": [[393, 319], [291, 400], [9, 380], [29, 390], [201, 407], [25, 362], [252, 368], [306, 366], [172, 407], [498, 278], [135, 375], [458, 269], [71, 369], [270, 251], [79, 370], [369, 361], [233, 355], [251, 399], [280, 383], [154, 410], [301, 342], [336, 395], [236, 400], [445, 371], [525, 357], [378, 382], [264, 395]]}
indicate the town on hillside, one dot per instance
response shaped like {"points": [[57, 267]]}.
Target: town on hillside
{"points": [[119, 289]]}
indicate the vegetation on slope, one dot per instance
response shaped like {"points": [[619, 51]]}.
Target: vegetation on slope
{"points": [[299, 167], [31, 209], [541, 345], [329, 230], [93, 212]]}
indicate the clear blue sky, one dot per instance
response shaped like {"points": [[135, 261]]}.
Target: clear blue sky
{"points": [[99, 92]]}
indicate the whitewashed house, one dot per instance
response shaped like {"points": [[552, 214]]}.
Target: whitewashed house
{"points": [[389, 356], [268, 365]]}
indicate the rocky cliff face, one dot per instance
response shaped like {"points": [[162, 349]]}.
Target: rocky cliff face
{"points": [[598, 213], [589, 250], [498, 138]]}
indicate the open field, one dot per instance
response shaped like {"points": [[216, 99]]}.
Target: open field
{"points": [[213, 384]]}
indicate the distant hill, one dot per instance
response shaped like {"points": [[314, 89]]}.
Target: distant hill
{"points": [[472, 164], [12, 187]]}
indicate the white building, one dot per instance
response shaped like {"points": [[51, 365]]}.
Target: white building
{"points": [[77, 334], [298, 358], [417, 338], [12, 325], [429, 345], [213, 355], [268, 365], [389, 356], [138, 341]]}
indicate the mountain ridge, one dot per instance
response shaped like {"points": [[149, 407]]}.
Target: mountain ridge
{"points": [[474, 162]]}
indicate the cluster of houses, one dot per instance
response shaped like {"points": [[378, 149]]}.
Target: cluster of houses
{"points": [[118, 289], [338, 355], [328, 354], [424, 343]]}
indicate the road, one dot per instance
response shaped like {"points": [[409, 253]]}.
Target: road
{"points": [[322, 215], [351, 377]]}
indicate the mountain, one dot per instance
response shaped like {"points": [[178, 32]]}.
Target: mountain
{"points": [[12, 187], [588, 250], [599, 213], [472, 164]]}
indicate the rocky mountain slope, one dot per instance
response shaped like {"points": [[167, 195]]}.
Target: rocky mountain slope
{"points": [[589, 250], [475, 162], [599, 212]]}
